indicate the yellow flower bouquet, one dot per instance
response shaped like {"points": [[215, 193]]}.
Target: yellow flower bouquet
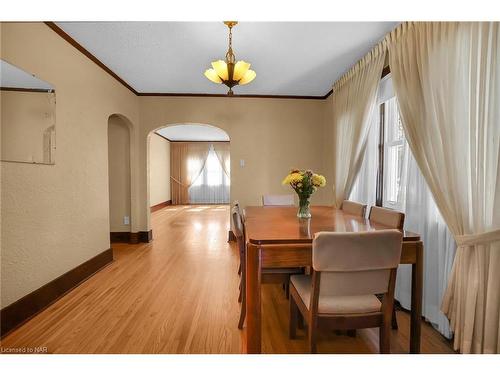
{"points": [[305, 183]]}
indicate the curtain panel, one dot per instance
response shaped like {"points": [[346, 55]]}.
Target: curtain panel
{"points": [[354, 99], [447, 80], [187, 160], [223, 154]]}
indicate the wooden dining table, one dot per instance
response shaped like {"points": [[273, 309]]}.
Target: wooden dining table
{"points": [[276, 238]]}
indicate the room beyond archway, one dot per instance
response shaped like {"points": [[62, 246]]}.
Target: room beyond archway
{"points": [[188, 164]]}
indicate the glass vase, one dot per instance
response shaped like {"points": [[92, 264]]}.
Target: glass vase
{"points": [[304, 211]]}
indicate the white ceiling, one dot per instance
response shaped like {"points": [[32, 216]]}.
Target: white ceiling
{"points": [[290, 58], [193, 132], [12, 76]]}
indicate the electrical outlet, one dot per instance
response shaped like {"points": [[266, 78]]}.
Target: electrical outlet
{"points": [[242, 163], [126, 220]]}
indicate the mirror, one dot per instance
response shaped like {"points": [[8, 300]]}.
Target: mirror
{"points": [[28, 117]]}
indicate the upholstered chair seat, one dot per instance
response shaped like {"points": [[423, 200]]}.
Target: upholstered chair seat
{"points": [[336, 305]]}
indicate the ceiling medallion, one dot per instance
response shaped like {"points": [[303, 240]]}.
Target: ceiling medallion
{"points": [[228, 72]]}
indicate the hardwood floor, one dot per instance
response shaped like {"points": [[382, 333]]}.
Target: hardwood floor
{"points": [[178, 294]]}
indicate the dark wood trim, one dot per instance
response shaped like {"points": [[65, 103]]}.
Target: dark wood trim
{"points": [[231, 236], [161, 205], [159, 135], [201, 95], [328, 94], [80, 48], [146, 236], [200, 141], [22, 89], [30, 305], [131, 237], [120, 237]]}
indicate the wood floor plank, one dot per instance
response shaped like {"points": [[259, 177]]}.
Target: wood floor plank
{"points": [[178, 294]]}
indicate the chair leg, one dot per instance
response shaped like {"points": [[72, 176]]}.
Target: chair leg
{"points": [[394, 320], [300, 321], [385, 338], [243, 295], [312, 336], [239, 269], [243, 310], [294, 312], [240, 296], [287, 290]]}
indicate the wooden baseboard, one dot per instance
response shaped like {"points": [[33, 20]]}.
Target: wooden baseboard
{"points": [[30, 305], [131, 237], [161, 205]]}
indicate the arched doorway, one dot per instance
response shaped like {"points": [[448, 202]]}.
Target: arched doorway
{"points": [[119, 174], [198, 165]]}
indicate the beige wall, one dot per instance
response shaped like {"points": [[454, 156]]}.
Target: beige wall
{"points": [[159, 170], [271, 135], [119, 174], [55, 217], [25, 119]]}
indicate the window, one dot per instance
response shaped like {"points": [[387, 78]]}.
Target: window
{"points": [[212, 184], [394, 146]]}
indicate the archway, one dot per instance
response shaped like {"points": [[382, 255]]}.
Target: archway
{"points": [[119, 178], [209, 159]]}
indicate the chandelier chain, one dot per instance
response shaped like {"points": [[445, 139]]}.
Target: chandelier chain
{"points": [[230, 58]]}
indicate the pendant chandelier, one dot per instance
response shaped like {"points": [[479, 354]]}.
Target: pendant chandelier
{"points": [[228, 72]]}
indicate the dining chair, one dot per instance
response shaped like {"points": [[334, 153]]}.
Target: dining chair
{"points": [[277, 200], [268, 275], [354, 208], [348, 270], [386, 216], [392, 219]]}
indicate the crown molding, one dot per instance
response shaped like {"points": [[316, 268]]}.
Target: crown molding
{"points": [[90, 56], [99, 63]]}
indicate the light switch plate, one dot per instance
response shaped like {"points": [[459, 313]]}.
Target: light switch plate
{"points": [[242, 163], [126, 220]]}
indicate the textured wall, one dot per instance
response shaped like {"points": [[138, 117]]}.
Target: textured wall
{"points": [[159, 170], [55, 217], [271, 135]]}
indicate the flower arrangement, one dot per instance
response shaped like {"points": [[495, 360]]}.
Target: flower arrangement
{"points": [[305, 183]]}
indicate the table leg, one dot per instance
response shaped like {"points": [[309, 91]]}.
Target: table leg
{"points": [[416, 299], [253, 332]]}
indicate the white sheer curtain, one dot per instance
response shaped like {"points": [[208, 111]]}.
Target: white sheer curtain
{"points": [[421, 215], [223, 154], [212, 184], [364, 189], [447, 80], [354, 100]]}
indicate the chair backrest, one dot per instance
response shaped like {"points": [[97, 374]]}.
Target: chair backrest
{"points": [[238, 226], [277, 200], [354, 208], [387, 217], [356, 263]]}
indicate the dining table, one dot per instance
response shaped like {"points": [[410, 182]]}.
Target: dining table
{"points": [[276, 238]]}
